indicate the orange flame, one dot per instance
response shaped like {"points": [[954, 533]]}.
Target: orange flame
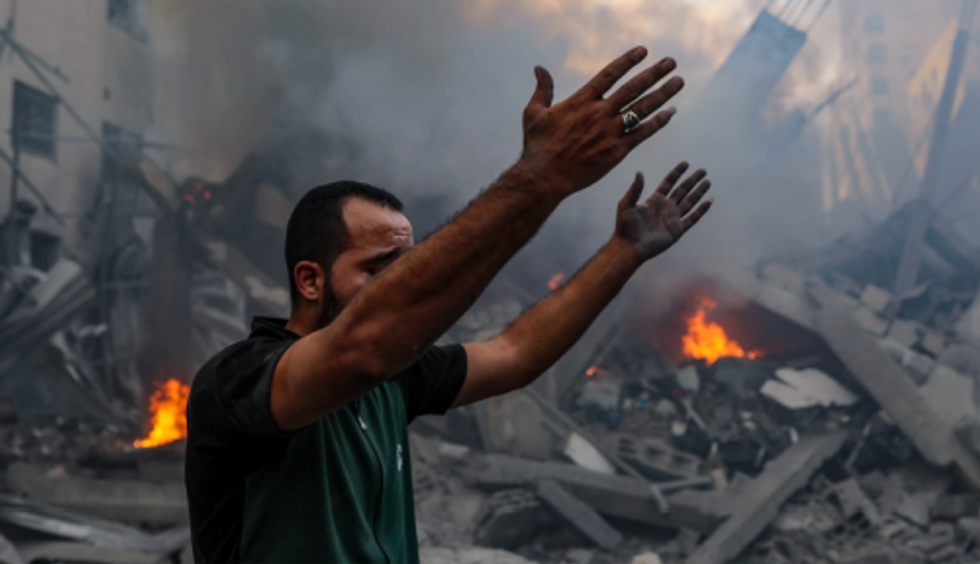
{"points": [[595, 370], [168, 414], [556, 281], [707, 340]]}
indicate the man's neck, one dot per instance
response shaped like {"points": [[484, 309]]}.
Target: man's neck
{"points": [[301, 322]]}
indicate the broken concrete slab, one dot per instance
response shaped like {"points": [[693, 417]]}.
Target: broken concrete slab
{"points": [[800, 389], [905, 332], [933, 342], [470, 555], [950, 394], [871, 321], [646, 558], [758, 503], [81, 553], [878, 299], [854, 502], [126, 501], [60, 523], [579, 515], [616, 496], [917, 365], [892, 388], [581, 452]]}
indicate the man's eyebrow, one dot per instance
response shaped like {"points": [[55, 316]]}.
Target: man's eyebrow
{"points": [[385, 256]]}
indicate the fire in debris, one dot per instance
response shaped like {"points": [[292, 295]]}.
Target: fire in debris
{"points": [[168, 414], [556, 281], [707, 340]]}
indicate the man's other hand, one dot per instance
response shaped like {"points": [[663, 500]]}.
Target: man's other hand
{"points": [[573, 144], [654, 225]]}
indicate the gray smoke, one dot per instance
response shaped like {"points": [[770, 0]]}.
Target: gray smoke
{"points": [[431, 95]]}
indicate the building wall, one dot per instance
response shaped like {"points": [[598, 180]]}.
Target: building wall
{"points": [[110, 80]]}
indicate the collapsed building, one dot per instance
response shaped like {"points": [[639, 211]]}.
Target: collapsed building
{"points": [[821, 407]]}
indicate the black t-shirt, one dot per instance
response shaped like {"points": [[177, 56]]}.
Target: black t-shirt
{"points": [[338, 490]]}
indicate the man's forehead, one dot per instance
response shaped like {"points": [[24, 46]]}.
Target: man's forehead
{"points": [[367, 221]]}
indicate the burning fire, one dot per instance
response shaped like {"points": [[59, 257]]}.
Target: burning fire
{"points": [[707, 340], [168, 414], [556, 281]]}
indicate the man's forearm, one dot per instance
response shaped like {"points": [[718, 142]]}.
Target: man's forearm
{"points": [[546, 331], [424, 292]]}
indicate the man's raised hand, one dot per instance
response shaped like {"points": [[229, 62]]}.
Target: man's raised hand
{"points": [[654, 225], [574, 143]]}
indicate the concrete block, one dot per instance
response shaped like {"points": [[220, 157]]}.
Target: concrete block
{"points": [[507, 519], [871, 322], [934, 343], [646, 558], [917, 365], [854, 502], [878, 299], [579, 515], [954, 506], [950, 394], [656, 459], [905, 332]]}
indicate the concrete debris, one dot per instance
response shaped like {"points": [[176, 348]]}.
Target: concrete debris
{"points": [[601, 394], [579, 515], [877, 299], [123, 500], [53, 521], [646, 558], [871, 322], [657, 459], [688, 379], [581, 452], [508, 519], [800, 389], [843, 428], [470, 555], [759, 502], [951, 395]]}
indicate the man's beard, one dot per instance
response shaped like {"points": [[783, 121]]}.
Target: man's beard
{"points": [[331, 308]]}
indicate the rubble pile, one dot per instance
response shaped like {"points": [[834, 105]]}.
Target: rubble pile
{"points": [[862, 445]]}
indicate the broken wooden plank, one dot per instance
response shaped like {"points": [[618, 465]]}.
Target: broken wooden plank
{"points": [[757, 504]]}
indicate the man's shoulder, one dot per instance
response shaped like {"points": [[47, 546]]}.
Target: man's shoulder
{"points": [[249, 357]]}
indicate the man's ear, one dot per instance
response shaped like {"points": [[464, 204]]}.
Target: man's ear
{"points": [[310, 280]]}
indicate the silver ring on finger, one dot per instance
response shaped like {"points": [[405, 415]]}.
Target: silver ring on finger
{"points": [[630, 121]]}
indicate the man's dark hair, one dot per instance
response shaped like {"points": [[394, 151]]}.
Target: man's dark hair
{"points": [[317, 230]]}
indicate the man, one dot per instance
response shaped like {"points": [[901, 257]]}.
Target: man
{"points": [[297, 447]]}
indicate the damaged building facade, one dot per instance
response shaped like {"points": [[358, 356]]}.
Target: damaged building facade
{"points": [[819, 406]]}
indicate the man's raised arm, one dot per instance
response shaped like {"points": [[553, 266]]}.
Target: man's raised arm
{"points": [[537, 339], [392, 321]]}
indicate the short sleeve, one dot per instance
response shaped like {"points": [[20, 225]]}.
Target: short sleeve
{"points": [[430, 386], [238, 388]]}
